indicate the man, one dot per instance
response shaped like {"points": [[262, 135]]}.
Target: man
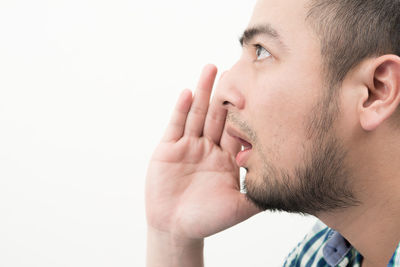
{"points": [[313, 102]]}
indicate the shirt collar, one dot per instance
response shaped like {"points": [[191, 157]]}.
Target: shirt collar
{"points": [[336, 249]]}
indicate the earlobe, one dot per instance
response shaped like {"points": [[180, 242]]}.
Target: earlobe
{"points": [[365, 113], [382, 96], [370, 119]]}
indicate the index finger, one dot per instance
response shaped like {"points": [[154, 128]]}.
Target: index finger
{"points": [[201, 99], [215, 121]]}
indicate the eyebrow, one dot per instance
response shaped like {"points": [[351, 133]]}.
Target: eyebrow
{"points": [[267, 30]]}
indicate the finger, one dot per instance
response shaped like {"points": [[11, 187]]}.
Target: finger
{"points": [[198, 110], [230, 144], [176, 126], [215, 121]]}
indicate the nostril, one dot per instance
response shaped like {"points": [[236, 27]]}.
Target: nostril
{"points": [[225, 103]]}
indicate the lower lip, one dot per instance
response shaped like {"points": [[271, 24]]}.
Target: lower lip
{"points": [[242, 157]]}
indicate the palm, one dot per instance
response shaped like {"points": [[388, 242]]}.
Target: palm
{"points": [[192, 184], [197, 190]]}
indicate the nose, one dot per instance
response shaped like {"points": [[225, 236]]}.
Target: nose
{"points": [[231, 87]]}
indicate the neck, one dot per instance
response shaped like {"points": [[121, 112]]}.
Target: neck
{"points": [[373, 231], [373, 226]]}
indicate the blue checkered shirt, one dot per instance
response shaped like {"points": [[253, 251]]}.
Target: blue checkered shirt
{"points": [[324, 247]]}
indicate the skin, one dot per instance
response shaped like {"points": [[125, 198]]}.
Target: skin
{"points": [[192, 183]]}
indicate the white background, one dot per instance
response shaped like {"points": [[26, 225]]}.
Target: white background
{"points": [[86, 89]]}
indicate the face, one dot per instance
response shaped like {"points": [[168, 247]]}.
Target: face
{"points": [[280, 111]]}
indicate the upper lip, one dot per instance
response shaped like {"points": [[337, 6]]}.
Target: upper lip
{"points": [[243, 139]]}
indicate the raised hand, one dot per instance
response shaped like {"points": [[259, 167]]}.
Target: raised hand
{"points": [[192, 183]]}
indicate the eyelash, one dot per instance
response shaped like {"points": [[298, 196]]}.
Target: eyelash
{"points": [[258, 46]]}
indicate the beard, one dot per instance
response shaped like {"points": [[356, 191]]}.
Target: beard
{"points": [[321, 183]]}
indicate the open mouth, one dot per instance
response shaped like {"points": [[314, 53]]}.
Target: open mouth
{"points": [[245, 145], [244, 154]]}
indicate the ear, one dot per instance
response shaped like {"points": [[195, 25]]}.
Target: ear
{"points": [[383, 95]]}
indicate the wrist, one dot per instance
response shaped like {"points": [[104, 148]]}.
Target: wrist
{"points": [[165, 249]]}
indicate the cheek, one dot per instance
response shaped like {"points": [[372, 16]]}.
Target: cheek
{"points": [[278, 110], [280, 104]]}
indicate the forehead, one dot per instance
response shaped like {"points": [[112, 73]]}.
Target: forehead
{"points": [[288, 17]]}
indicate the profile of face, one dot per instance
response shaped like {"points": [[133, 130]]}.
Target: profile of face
{"points": [[282, 111]]}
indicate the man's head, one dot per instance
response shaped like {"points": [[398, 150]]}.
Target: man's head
{"points": [[313, 78]]}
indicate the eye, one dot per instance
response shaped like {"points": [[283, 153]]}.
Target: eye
{"points": [[261, 52]]}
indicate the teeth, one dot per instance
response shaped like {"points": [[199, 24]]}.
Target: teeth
{"points": [[246, 147], [244, 144]]}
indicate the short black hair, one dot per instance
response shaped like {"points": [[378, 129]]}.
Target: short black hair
{"points": [[353, 30]]}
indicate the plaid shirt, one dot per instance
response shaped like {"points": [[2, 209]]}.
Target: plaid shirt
{"points": [[324, 247]]}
